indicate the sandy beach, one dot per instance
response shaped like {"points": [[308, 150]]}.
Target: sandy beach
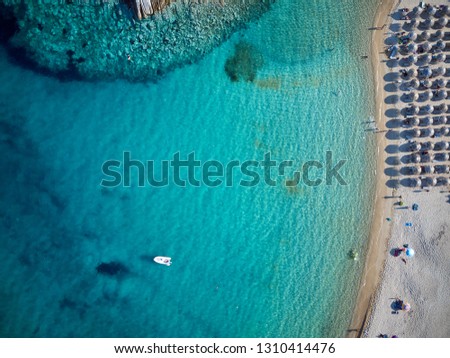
{"points": [[390, 275], [379, 230]]}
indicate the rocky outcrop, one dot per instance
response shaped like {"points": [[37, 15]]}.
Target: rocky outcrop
{"points": [[146, 8], [58, 37]]}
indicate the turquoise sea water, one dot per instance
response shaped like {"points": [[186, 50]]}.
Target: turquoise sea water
{"points": [[248, 262]]}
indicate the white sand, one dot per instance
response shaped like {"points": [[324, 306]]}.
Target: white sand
{"points": [[424, 281]]}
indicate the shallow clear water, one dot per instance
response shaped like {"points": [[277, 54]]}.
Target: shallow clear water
{"points": [[248, 262]]}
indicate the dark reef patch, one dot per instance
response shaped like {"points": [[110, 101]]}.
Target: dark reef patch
{"points": [[23, 56], [112, 268], [8, 24], [244, 64]]}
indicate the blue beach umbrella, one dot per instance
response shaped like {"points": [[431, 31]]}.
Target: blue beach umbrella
{"points": [[410, 252]]}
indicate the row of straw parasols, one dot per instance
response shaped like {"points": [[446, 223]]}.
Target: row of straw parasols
{"points": [[429, 181], [427, 109], [427, 12], [417, 158], [427, 169], [415, 83], [423, 96], [416, 146], [428, 121], [426, 132], [426, 59], [413, 47], [427, 23], [426, 35], [425, 72]]}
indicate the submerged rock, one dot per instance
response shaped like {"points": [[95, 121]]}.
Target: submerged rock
{"points": [[146, 8], [112, 269], [85, 40], [244, 64]]}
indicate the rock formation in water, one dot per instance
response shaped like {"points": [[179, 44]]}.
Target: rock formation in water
{"points": [[103, 39], [112, 269], [146, 8]]}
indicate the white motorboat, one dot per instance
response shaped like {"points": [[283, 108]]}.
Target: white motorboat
{"points": [[163, 260]]}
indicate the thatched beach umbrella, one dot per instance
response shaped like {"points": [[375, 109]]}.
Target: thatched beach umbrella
{"points": [[416, 182], [412, 110], [439, 34], [414, 121], [427, 95], [431, 10], [443, 145], [428, 108], [412, 59], [428, 132], [439, 71], [427, 157], [414, 83], [426, 46], [412, 72], [444, 131], [443, 108], [416, 133], [440, 57], [428, 169], [413, 96], [447, 11], [440, 44], [443, 156], [425, 72], [414, 147], [444, 180], [412, 24], [442, 94], [426, 121], [424, 24], [428, 146], [439, 120], [412, 48], [411, 121], [425, 35], [442, 22], [426, 59], [415, 158], [426, 83], [417, 10], [440, 169], [432, 181], [412, 35], [441, 82]]}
